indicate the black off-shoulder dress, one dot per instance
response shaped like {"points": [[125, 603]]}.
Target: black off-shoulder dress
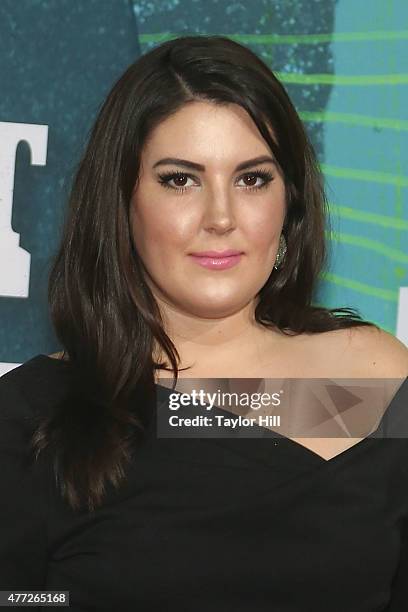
{"points": [[207, 525]]}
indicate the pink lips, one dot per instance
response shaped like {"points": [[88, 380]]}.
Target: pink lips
{"points": [[214, 260]]}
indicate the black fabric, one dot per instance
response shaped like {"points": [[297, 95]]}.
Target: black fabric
{"points": [[200, 525]]}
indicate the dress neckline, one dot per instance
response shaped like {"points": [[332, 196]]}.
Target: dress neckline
{"points": [[296, 446], [301, 449]]}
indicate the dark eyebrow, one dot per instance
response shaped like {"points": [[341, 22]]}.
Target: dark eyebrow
{"points": [[194, 166]]}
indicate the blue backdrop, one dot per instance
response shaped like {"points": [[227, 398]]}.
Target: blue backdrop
{"points": [[344, 67]]}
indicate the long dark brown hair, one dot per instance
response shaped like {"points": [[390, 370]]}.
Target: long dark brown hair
{"points": [[103, 312]]}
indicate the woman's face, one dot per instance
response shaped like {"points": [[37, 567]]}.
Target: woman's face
{"points": [[212, 207]]}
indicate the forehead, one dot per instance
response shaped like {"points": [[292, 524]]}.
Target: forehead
{"points": [[207, 131]]}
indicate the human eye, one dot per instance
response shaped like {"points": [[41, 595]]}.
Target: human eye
{"points": [[166, 177], [265, 175]]}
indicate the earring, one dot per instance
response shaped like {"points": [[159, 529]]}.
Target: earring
{"points": [[281, 252]]}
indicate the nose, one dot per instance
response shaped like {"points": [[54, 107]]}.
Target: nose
{"points": [[219, 213]]}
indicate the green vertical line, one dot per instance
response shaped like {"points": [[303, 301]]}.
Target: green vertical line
{"points": [[363, 288], [311, 39], [368, 244], [290, 39], [364, 175], [354, 119], [356, 80], [367, 217]]}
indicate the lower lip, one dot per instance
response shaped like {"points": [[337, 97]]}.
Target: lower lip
{"points": [[217, 263]]}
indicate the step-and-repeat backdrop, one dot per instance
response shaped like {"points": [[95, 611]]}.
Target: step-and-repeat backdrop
{"points": [[345, 68]]}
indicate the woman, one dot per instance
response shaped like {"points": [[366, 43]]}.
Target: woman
{"points": [[197, 148]]}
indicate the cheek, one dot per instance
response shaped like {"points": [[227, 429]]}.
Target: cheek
{"points": [[158, 234], [263, 229]]}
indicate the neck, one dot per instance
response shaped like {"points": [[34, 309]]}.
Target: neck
{"points": [[204, 341]]}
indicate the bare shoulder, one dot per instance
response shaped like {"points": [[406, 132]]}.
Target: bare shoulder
{"points": [[59, 355], [375, 352]]}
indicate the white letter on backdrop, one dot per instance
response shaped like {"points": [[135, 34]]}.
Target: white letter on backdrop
{"points": [[14, 260]]}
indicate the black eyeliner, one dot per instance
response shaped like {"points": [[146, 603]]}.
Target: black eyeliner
{"points": [[265, 174]]}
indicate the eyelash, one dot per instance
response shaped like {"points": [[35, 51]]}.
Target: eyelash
{"points": [[263, 174]]}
